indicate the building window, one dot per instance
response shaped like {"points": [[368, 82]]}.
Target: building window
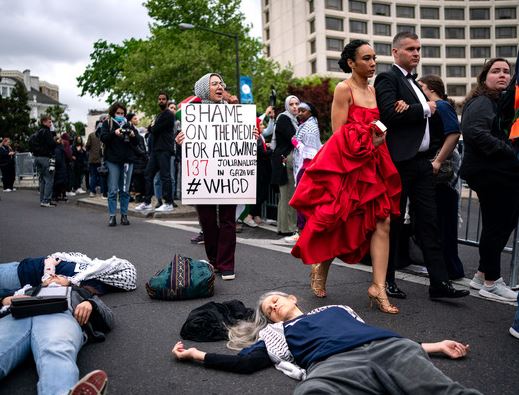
{"points": [[506, 13], [456, 90], [455, 32], [403, 11], [381, 9], [266, 3], [357, 6], [381, 29], [430, 13], [267, 33], [506, 51], [475, 69], [266, 17], [382, 49], [428, 69], [481, 14], [454, 52], [332, 64], [456, 71], [333, 4], [431, 51], [267, 51], [310, 6], [381, 67], [312, 26], [405, 28], [430, 32], [4, 91], [479, 52], [479, 32], [506, 32], [313, 67], [334, 44], [358, 27], [334, 23], [455, 14], [312, 46]]}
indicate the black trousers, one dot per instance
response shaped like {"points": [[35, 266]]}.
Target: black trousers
{"points": [[159, 161], [499, 206], [418, 185], [8, 175]]}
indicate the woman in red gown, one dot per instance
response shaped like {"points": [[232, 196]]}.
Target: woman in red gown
{"points": [[351, 188]]}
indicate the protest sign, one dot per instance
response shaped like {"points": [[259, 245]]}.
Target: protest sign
{"points": [[219, 154]]}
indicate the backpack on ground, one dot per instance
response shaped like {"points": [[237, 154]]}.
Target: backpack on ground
{"points": [[182, 278]]}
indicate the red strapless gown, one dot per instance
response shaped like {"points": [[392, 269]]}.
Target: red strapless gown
{"points": [[347, 187]]}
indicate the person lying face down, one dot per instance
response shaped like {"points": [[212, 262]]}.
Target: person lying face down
{"points": [[331, 350]]}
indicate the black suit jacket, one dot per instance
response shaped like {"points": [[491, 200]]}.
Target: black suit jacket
{"points": [[405, 130]]}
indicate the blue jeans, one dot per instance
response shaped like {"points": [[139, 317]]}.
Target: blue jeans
{"points": [[9, 281], [46, 178], [95, 178], [515, 325], [119, 177], [54, 339]]}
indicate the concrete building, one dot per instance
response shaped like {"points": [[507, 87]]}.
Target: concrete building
{"points": [[457, 36], [41, 94]]}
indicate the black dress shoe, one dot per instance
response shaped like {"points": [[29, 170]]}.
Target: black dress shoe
{"points": [[446, 290], [124, 220], [112, 221], [393, 291]]}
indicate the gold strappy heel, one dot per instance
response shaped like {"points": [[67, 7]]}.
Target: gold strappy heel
{"points": [[318, 281], [381, 299]]}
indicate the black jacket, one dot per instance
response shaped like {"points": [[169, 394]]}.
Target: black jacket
{"points": [[488, 154], [141, 156], [406, 129], [284, 132], [46, 143], [163, 131], [116, 149]]}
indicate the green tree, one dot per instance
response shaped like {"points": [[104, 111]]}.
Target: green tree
{"points": [[172, 59], [79, 127], [15, 115]]}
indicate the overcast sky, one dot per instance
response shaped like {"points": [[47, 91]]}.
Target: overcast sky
{"points": [[54, 38]]}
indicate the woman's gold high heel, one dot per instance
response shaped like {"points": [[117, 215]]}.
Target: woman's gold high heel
{"points": [[318, 280], [381, 299]]}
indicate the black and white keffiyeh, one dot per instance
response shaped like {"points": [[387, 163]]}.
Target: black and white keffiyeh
{"points": [[113, 271]]}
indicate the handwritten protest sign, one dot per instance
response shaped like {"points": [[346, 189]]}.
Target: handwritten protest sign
{"points": [[219, 154]]}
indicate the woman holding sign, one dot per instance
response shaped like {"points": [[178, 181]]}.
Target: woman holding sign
{"points": [[352, 187], [218, 221]]}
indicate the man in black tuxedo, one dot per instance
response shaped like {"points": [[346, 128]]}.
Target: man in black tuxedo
{"points": [[409, 138]]}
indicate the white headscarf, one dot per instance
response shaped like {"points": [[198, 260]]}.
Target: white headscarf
{"points": [[287, 112], [202, 88]]}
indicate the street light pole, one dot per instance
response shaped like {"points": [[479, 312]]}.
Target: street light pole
{"points": [[189, 26]]}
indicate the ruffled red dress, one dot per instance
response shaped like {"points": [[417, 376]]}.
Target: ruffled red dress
{"points": [[347, 187]]}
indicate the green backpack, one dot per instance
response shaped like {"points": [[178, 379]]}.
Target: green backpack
{"points": [[182, 278]]}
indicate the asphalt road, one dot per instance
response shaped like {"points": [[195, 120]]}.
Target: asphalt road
{"points": [[136, 354]]}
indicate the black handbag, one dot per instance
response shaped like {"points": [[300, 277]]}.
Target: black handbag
{"points": [[44, 300]]}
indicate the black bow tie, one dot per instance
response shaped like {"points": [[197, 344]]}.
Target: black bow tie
{"points": [[411, 75]]}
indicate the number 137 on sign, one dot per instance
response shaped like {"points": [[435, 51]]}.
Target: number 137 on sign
{"points": [[197, 167]]}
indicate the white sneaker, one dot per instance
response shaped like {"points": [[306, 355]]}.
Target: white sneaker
{"points": [[476, 282], [92, 194], [227, 277], [498, 291], [143, 207], [165, 208], [513, 332], [14, 189], [250, 222], [292, 239], [79, 190], [70, 194], [8, 190]]}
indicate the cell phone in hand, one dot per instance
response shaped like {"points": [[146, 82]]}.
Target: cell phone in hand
{"points": [[380, 128]]}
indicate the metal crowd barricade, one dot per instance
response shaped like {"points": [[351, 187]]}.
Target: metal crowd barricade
{"points": [[25, 165], [471, 230]]}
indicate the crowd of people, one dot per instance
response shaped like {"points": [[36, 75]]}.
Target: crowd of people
{"points": [[391, 162]]}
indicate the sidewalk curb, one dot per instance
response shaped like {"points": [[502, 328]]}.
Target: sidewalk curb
{"points": [[179, 212]]}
